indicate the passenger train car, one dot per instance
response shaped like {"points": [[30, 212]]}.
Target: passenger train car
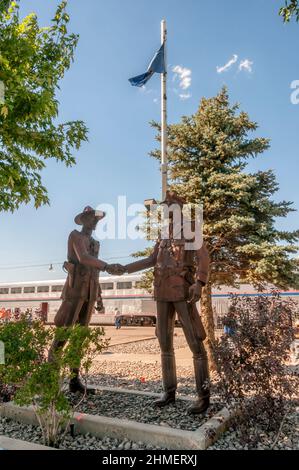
{"points": [[121, 295]]}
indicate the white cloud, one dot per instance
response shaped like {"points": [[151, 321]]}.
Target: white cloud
{"points": [[184, 76], [228, 65], [185, 96], [155, 100], [246, 65], [145, 90]]}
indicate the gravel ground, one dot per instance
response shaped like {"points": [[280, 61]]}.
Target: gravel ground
{"points": [[286, 439], [141, 409], [87, 442], [139, 376], [147, 377], [150, 346]]}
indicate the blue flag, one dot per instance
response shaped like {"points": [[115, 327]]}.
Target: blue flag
{"points": [[157, 65]]}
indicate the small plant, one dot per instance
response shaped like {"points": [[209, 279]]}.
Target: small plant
{"points": [[41, 383], [251, 362], [7, 392]]}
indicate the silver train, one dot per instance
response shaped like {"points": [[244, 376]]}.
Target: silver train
{"points": [[121, 295]]}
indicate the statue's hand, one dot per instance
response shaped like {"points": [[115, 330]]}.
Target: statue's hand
{"points": [[115, 269], [195, 292]]}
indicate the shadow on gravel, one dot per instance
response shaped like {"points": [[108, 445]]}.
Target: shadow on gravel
{"points": [[144, 379]]}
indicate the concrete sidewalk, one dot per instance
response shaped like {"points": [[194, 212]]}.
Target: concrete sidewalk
{"points": [[128, 334]]}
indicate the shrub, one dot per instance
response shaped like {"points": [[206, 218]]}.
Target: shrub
{"points": [[251, 362], [7, 392], [41, 383]]}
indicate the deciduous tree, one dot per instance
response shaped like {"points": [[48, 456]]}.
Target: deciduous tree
{"points": [[290, 10], [33, 60]]}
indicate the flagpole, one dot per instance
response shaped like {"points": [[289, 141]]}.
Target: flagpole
{"points": [[164, 113]]}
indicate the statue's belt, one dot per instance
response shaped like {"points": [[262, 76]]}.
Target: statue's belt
{"points": [[77, 269]]}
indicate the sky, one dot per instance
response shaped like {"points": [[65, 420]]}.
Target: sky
{"points": [[243, 45]]}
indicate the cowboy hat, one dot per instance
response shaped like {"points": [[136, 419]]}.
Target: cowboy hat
{"points": [[88, 211]]}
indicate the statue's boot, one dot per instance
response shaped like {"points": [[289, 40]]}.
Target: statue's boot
{"points": [[199, 406], [76, 385], [169, 380], [166, 399], [202, 385]]}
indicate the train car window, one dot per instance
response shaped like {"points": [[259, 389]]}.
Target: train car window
{"points": [[43, 289], [16, 290], [4, 290], [124, 285], [107, 285], [29, 290], [57, 288]]}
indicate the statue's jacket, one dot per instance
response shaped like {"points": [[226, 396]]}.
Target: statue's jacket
{"points": [[82, 280], [175, 268]]}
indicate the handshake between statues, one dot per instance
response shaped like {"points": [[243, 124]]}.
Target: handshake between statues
{"points": [[115, 269]]}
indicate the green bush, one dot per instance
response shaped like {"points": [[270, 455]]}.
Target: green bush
{"points": [[41, 383]]}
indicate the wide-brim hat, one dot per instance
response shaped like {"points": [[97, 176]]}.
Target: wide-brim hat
{"points": [[88, 211], [172, 197]]}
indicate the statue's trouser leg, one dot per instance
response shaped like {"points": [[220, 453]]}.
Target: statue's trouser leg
{"points": [[54, 347], [83, 320], [86, 313], [195, 343], [66, 316], [164, 331], [72, 312]]}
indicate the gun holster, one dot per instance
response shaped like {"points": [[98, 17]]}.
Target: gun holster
{"points": [[70, 269]]}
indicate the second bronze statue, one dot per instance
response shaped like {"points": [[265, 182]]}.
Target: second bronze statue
{"points": [[179, 275]]}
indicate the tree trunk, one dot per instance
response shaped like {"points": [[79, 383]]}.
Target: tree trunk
{"points": [[207, 317]]}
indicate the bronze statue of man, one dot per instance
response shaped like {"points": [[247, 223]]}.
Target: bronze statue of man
{"points": [[81, 289], [179, 275]]}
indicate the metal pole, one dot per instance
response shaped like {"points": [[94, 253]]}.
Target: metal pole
{"points": [[164, 114]]}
